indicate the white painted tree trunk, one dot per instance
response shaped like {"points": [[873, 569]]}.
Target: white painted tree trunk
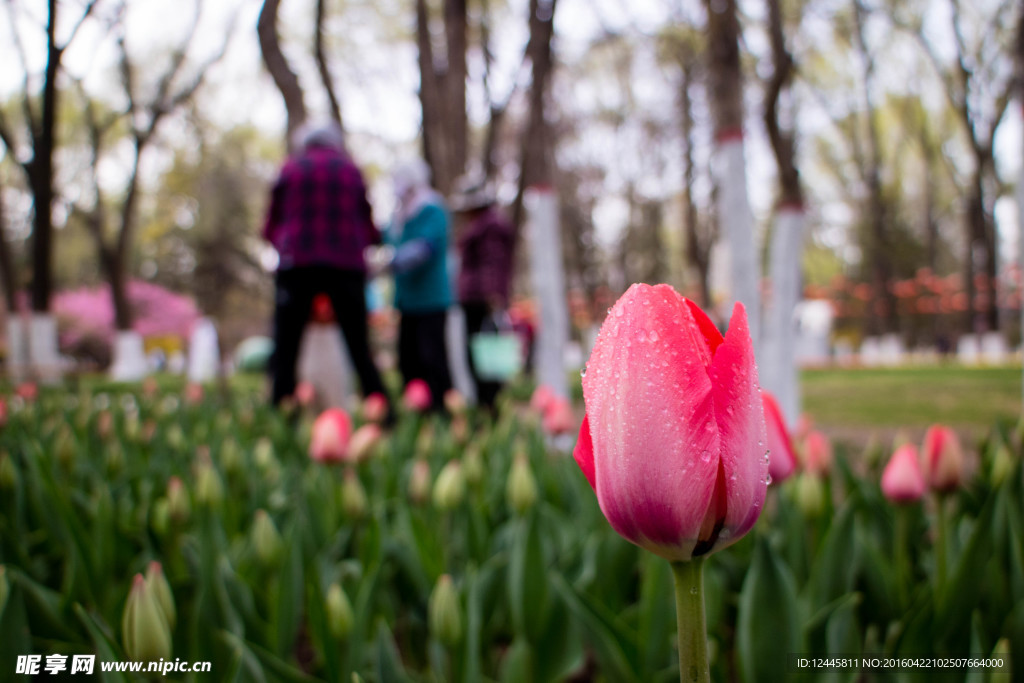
{"points": [[545, 243], [458, 362], [324, 362], [17, 348], [738, 228], [129, 364], [43, 351], [203, 352], [777, 369], [1020, 256]]}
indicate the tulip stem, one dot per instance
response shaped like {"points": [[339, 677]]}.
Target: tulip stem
{"points": [[693, 639]]}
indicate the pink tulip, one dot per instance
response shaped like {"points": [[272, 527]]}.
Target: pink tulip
{"points": [[305, 393], [193, 392], [454, 402], [28, 391], [375, 407], [942, 459], [817, 453], [417, 396], [781, 457], [902, 481], [542, 396], [673, 440], [3, 411], [363, 442], [558, 417], [330, 436]]}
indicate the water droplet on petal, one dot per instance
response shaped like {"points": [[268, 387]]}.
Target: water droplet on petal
{"points": [[653, 336]]}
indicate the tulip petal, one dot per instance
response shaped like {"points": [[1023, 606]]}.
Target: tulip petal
{"points": [[651, 417], [781, 456], [584, 452], [711, 334], [740, 416]]}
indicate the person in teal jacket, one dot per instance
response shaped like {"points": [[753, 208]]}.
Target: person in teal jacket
{"points": [[419, 235]]}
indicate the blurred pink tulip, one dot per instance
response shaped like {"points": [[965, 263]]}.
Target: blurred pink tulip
{"points": [[781, 457], [673, 440], [305, 393], [817, 453], [27, 391], [902, 481], [542, 396], [417, 396], [942, 459], [558, 417], [375, 407], [330, 436], [363, 441], [454, 402], [193, 393]]}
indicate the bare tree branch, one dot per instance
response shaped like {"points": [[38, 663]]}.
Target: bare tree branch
{"points": [[19, 48], [74, 31], [321, 62]]}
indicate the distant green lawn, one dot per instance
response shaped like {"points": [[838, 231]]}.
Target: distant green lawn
{"points": [[853, 403]]}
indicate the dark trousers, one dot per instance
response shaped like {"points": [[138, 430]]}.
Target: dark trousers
{"points": [[477, 314], [296, 288], [423, 354]]}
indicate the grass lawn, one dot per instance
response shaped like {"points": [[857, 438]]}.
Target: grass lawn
{"points": [[854, 403]]}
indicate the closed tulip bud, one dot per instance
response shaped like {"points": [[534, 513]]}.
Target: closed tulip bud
{"points": [[209, 489], [817, 454], [1002, 465], [454, 402], [781, 456], [364, 441], [419, 482], [156, 580], [473, 465], [416, 396], [132, 428], [460, 429], [305, 394], [330, 436], [178, 505], [144, 629], [810, 494], [902, 481], [673, 440], [64, 446], [104, 425], [425, 441], [176, 437], [339, 612], [194, 393], [353, 496], [8, 473], [230, 456], [450, 487], [265, 538], [444, 612], [114, 458], [943, 459], [160, 517], [558, 417], [521, 489], [263, 453], [5, 588], [542, 396]]}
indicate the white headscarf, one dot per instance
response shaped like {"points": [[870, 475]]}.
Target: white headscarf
{"points": [[411, 183]]}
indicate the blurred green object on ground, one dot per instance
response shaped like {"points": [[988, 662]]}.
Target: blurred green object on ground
{"points": [[253, 354]]}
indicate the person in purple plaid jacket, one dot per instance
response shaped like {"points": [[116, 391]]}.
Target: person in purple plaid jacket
{"points": [[320, 222], [486, 243]]}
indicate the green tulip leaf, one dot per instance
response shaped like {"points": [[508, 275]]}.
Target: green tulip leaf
{"points": [[767, 605]]}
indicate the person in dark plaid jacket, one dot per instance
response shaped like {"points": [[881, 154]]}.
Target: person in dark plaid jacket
{"points": [[320, 222], [486, 246]]}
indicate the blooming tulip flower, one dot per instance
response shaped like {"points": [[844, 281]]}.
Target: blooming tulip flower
{"points": [[330, 436], [817, 453], [781, 457], [673, 440], [902, 481], [417, 396], [942, 459]]}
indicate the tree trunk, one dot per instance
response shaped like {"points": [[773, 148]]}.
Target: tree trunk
{"points": [[7, 279], [41, 179], [535, 161], [284, 78], [780, 371], [321, 63], [697, 250], [726, 95]]}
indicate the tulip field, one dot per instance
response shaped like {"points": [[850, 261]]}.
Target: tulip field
{"points": [[461, 549]]}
